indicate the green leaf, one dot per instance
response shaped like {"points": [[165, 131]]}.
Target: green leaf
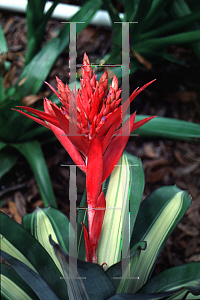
{"points": [[37, 70], [39, 67], [38, 132], [115, 270], [2, 90], [126, 179], [2, 145], [19, 243], [36, 21], [13, 286], [126, 296], [171, 58], [8, 159], [140, 14], [38, 285], [113, 12], [176, 39], [158, 215], [186, 277], [3, 43], [169, 128], [93, 283], [85, 14], [129, 8], [34, 155], [179, 9], [15, 124], [154, 13], [48, 221], [173, 25]]}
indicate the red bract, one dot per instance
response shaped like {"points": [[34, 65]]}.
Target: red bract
{"points": [[88, 125]]}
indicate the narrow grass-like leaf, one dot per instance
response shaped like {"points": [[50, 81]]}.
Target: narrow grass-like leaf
{"points": [[36, 21], [186, 276], [127, 177], [169, 128], [33, 153], [171, 58], [2, 90], [158, 215], [85, 14], [114, 15], [180, 8], [41, 133], [15, 125], [129, 8], [13, 286], [154, 13], [173, 25], [39, 286], [37, 70], [143, 8], [23, 244], [39, 67], [176, 39]]}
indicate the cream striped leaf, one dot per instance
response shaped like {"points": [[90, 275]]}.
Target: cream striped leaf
{"points": [[42, 232], [11, 291], [157, 218], [126, 183], [7, 247]]}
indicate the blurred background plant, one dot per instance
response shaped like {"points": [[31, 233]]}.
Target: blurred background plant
{"points": [[158, 24]]}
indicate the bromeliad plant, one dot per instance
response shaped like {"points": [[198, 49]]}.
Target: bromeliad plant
{"points": [[97, 145], [38, 251]]}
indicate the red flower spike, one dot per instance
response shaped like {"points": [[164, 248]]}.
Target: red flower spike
{"points": [[96, 151], [93, 81], [117, 145], [94, 176], [107, 138], [55, 92], [97, 225], [70, 148], [78, 141], [92, 241], [46, 117], [95, 105], [87, 243]]}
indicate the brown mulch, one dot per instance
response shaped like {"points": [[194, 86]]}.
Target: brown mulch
{"points": [[166, 162]]}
